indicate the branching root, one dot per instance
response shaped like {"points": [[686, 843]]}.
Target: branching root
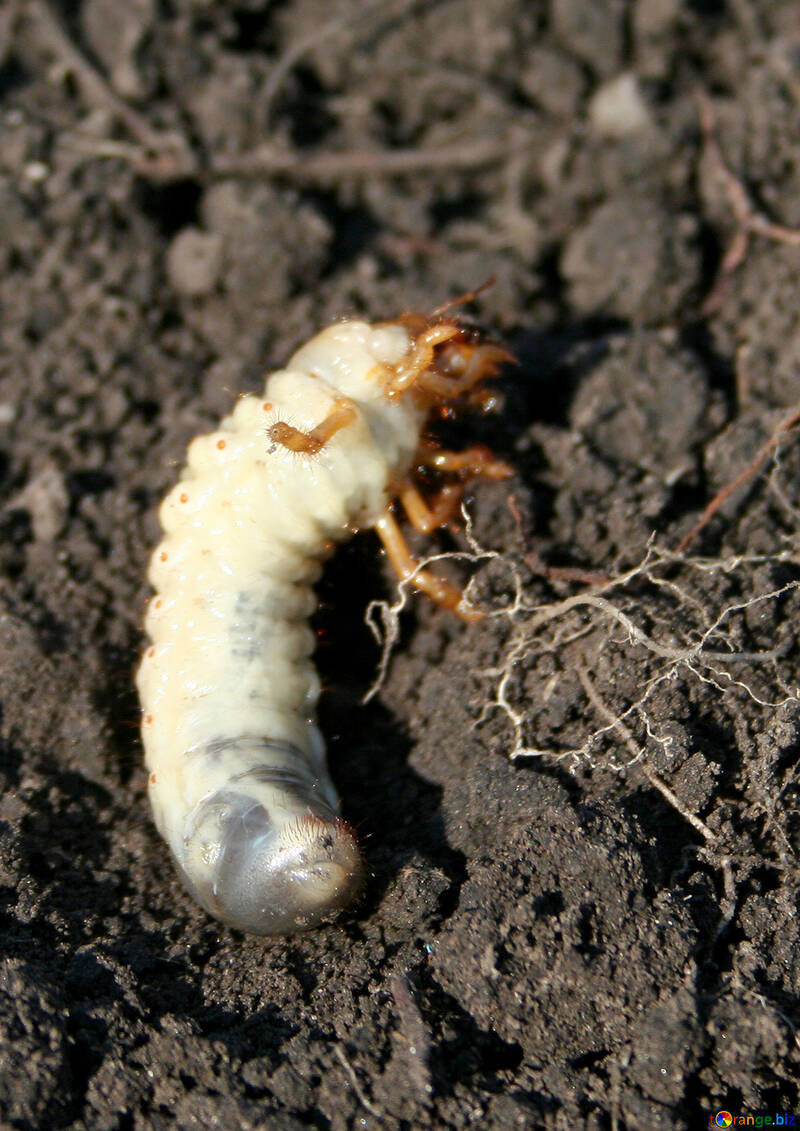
{"points": [[669, 621]]}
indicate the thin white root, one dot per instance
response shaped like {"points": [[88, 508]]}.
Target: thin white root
{"points": [[697, 638]]}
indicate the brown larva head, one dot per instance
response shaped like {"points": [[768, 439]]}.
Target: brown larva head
{"points": [[268, 879], [446, 361]]}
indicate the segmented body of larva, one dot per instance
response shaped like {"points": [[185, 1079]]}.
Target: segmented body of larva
{"points": [[238, 780]]}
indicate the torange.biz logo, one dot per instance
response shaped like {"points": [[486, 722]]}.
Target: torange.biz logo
{"points": [[726, 1119]]}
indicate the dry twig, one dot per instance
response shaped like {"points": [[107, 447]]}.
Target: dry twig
{"points": [[788, 424], [168, 152], [749, 221], [167, 156], [625, 734]]}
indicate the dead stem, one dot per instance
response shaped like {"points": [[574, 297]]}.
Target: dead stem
{"points": [[168, 151], [167, 156], [625, 734], [788, 424], [266, 160], [748, 219]]}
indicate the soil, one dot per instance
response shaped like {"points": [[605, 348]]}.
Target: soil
{"points": [[580, 814]]}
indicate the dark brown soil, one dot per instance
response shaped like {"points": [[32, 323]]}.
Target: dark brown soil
{"points": [[603, 934]]}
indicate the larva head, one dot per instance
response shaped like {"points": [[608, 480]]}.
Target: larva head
{"points": [[266, 877], [444, 360]]}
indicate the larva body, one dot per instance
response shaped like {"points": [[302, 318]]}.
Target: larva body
{"points": [[238, 781]]}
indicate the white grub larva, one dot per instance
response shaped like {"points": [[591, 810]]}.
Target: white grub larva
{"points": [[238, 780]]}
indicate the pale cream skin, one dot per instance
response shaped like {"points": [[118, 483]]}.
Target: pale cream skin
{"points": [[238, 781]]}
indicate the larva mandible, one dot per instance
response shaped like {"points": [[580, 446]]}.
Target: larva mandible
{"points": [[238, 780]]}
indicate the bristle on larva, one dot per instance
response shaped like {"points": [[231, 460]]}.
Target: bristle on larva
{"points": [[238, 780]]}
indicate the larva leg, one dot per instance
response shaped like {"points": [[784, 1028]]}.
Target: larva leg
{"points": [[407, 569], [409, 372], [314, 441], [475, 461], [459, 367], [460, 300], [422, 515]]}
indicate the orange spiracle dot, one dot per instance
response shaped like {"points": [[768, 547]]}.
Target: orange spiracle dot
{"points": [[221, 444], [152, 779], [163, 556], [150, 653], [148, 720], [158, 603], [184, 497], [267, 406]]}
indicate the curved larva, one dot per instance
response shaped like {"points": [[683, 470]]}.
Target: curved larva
{"points": [[238, 781]]}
